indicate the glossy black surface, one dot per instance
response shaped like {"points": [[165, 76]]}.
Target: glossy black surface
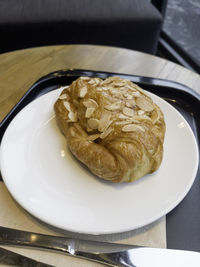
{"points": [[183, 223]]}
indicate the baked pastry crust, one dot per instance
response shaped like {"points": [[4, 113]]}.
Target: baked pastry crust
{"points": [[112, 127]]}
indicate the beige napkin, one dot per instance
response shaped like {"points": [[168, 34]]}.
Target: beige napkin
{"points": [[13, 215]]}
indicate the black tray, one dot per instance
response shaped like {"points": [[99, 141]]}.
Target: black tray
{"points": [[183, 223]]}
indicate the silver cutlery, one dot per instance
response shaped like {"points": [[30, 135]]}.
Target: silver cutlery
{"points": [[11, 258], [110, 254]]}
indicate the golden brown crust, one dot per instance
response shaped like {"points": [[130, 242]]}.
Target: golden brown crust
{"points": [[111, 126]]}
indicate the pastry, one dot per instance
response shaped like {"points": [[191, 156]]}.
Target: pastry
{"points": [[112, 127]]}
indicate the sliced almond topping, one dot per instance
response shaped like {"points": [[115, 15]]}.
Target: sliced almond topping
{"points": [[97, 80], [136, 94], [128, 120], [106, 133], [90, 103], [128, 111], [89, 112], [140, 112], [94, 81], [114, 106], [104, 121], [130, 87], [108, 80], [84, 78], [63, 96], [130, 103], [116, 93], [150, 151], [120, 84], [122, 116], [67, 105], [155, 116], [83, 91], [128, 96], [64, 87], [133, 120], [122, 122], [93, 123], [144, 104], [141, 117], [132, 128], [72, 116]]}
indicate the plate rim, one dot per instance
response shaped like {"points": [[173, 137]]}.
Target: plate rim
{"points": [[165, 211]]}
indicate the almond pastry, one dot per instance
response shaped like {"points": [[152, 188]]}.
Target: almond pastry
{"points": [[112, 127]]}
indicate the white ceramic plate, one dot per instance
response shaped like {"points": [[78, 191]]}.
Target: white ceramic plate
{"points": [[46, 180]]}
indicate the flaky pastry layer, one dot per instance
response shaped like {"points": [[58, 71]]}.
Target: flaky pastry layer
{"points": [[112, 127]]}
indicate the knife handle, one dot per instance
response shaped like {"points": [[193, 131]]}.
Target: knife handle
{"points": [[69, 246], [23, 238], [11, 258]]}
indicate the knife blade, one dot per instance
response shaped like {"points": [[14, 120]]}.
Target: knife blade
{"points": [[11, 258], [110, 254]]}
